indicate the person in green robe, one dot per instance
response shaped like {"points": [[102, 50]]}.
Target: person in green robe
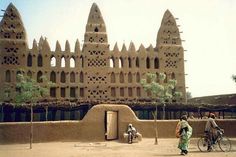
{"points": [[185, 133]]}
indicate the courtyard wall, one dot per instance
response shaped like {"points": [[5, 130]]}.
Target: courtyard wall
{"points": [[92, 127]]}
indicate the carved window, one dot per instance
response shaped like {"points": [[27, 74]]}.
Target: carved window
{"points": [[129, 63], [81, 92], [130, 79], [81, 62], [96, 29], [19, 35], [122, 92], [165, 80], [63, 77], [39, 77], [8, 76], [53, 77], [72, 62], [29, 74], [113, 92], [29, 60], [113, 77], [7, 35], [172, 75], [121, 77], [112, 62], [156, 63], [53, 61], [53, 92], [130, 92], [138, 90], [63, 62], [72, 77], [81, 77], [138, 77], [40, 61], [148, 63], [63, 92], [137, 62], [72, 92], [121, 63], [157, 78]]}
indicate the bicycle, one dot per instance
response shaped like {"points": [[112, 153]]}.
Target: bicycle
{"points": [[223, 142]]}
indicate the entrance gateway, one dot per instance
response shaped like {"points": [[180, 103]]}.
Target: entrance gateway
{"points": [[111, 125]]}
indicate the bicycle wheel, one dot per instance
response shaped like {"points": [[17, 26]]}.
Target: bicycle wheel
{"points": [[202, 144], [225, 144]]}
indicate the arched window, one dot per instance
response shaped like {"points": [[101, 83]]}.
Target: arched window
{"points": [[81, 61], [53, 61], [72, 62], [165, 80], [129, 63], [18, 73], [130, 79], [53, 77], [40, 61], [157, 78], [113, 77], [8, 76], [137, 62], [172, 75], [156, 63], [130, 92], [29, 60], [81, 77], [63, 62], [72, 77], [138, 77], [121, 77], [138, 92], [147, 63], [121, 64], [39, 77], [112, 62], [96, 29], [63, 77], [29, 74]]}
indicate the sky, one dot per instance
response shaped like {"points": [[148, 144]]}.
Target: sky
{"points": [[208, 26]]}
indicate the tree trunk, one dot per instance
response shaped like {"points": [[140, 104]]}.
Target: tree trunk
{"points": [[156, 132], [46, 113], [31, 125]]}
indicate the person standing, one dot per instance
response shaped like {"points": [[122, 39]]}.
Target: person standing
{"points": [[185, 132]]}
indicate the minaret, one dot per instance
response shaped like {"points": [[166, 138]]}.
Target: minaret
{"points": [[170, 49], [13, 46], [95, 51]]}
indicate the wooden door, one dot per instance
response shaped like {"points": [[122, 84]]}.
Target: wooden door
{"points": [[111, 125]]}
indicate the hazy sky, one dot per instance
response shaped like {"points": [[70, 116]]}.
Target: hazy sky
{"points": [[209, 28]]}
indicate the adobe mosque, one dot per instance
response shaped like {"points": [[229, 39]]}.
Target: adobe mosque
{"points": [[94, 72]]}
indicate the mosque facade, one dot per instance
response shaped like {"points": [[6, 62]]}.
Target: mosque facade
{"points": [[93, 71]]}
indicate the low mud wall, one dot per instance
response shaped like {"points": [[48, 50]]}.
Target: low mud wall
{"points": [[92, 127]]}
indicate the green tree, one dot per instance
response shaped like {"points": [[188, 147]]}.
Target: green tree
{"points": [[160, 92], [234, 78], [188, 95], [28, 91]]}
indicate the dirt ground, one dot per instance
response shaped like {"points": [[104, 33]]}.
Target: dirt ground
{"points": [[145, 148]]}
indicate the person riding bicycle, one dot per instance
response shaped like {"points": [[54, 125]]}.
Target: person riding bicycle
{"points": [[211, 130], [131, 130]]}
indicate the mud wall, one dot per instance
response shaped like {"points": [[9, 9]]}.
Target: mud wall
{"points": [[92, 127]]}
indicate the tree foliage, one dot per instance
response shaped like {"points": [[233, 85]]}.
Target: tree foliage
{"points": [[234, 78], [161, 92], [28, 90]]}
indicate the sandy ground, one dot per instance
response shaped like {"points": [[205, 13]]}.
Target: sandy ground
{"points": [[145, 148]]}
